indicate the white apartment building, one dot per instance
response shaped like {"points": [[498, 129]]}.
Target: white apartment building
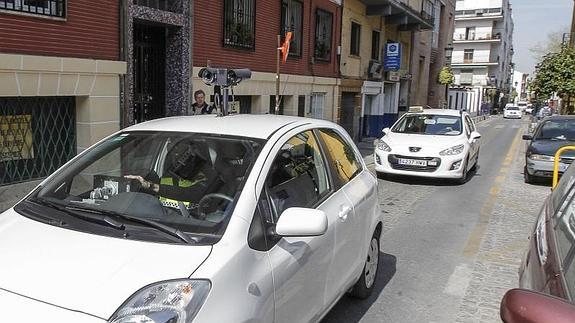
{"points": [[483, 50]]}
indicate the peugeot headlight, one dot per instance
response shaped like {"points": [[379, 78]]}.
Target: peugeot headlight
{"points": [[455, 150], [542, 157], [382, 145], [176, 301]]}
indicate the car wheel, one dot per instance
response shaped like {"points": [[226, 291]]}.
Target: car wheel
{"points": [[463, 178], [476, 163], [529, 179], [364, 286]]}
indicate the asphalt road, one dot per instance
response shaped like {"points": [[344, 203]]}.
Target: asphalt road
{"points": [[435, 235]]}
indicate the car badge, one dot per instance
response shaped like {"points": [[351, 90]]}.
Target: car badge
{"points": [[414, 149]]}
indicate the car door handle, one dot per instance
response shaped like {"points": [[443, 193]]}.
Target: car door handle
{"points": [[344, 212]]}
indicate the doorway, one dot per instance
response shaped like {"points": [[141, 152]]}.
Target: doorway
{"points": [[149, 72]]}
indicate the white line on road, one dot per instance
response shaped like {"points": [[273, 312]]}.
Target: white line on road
{"points": [[458, 281]]}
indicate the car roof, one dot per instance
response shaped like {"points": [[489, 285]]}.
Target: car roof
{"points": [[243, 125], [448, 112], [560, 117]]}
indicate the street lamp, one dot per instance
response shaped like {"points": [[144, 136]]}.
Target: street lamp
{"points": [[448, 55]]}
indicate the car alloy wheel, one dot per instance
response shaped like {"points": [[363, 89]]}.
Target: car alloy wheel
{"points": [[364, 285], [371, 263]]}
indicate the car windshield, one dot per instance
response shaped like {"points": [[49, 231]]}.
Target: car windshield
{"points": [[185, 181], [559, 129], [512, 108], [429, 124]]}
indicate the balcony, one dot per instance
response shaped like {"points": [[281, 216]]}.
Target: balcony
{"points": [[463, 38], [403, 13], [464, 63], [485, 13]]}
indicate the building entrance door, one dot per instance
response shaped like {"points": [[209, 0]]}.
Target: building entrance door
{"points": [[149, 72], [347, 116]]}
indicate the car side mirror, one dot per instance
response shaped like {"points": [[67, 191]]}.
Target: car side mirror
{"points": [[527, 137], [521, 305], [475, 135], [301, 222], [385, 131]]}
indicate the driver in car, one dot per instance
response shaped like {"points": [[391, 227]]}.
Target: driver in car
{"points": [[187, 176]]}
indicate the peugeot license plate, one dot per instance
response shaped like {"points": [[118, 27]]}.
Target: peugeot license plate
{"points": [[412, 162]]}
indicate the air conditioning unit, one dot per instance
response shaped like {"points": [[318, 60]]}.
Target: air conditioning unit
{"points": [[375, 70]]}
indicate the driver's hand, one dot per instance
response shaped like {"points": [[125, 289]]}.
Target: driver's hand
{"points": [[145, 184]]}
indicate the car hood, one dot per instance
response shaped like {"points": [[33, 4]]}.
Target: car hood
{"points": [[85, 272], [400, 142], [550, 147]]}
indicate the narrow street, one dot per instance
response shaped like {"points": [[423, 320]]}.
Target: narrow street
{"points": [[449, 251]]}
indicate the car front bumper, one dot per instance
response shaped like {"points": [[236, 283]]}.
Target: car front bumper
{"points": [[542, 168], [512, 116], [445, 168]]}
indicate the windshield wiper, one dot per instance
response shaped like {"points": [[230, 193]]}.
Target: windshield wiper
{"points": [[151, 223], [83, 213]]}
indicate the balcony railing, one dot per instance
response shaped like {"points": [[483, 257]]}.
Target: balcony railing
{"points": [[50, 8], [463, 37], [479, 12]]}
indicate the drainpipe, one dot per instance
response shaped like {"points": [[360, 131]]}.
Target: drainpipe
{"points": [[123, 34]]}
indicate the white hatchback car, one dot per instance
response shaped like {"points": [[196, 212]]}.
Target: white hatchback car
{"points": [[243, 218], [429, 143]]}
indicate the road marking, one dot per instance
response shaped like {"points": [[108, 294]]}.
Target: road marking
{"points": [[474, 241], [499, 126], [458, 281]]}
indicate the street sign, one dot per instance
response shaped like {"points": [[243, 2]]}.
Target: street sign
{"points": [[392, 58]]}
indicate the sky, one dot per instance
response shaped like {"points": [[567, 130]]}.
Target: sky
{"points": [[534, 20]]}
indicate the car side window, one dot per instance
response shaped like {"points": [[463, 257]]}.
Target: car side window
{"points": [[298, 177], [341, 154]]}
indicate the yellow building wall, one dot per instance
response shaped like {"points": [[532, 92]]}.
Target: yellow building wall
{"points": [[356, 65]]}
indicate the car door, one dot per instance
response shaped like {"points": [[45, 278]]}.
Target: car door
{"points": [[298, 177], [352, 228]]}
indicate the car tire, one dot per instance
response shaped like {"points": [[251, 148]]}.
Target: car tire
{"points": [[364, 286], [463, 178], [529, 179], [474, 168]]}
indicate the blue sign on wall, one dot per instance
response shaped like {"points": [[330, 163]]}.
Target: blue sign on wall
{"points": [[392, 58]]}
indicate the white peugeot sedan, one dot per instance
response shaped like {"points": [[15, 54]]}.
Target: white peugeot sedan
{"points": [[243, 218], [512, 112], [429, 143]]}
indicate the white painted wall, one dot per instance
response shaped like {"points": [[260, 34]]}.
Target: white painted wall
{"points": [[477, 4]]}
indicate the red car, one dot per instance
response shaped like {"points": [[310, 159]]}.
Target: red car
{"points": [[549, 264]]}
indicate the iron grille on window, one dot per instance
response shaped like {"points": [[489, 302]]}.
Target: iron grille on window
{"points": [[37, 136], [239, 23], [323, 26], [292, 20], [52, 8]]}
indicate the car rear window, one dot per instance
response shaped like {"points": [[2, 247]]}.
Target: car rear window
{"points": [[512, 108]]}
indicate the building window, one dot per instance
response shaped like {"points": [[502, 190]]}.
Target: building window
{"points": [[468, 56], [375, 45], [355, 39], [323, 26], [317, 104], [466, 77], [470, 33], [292, 20], [51, 8], [239, 23]]}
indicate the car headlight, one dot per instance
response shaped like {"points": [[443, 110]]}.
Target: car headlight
{"points": [[176, 301], [382, 145], [455, 150], [542, 157]]}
